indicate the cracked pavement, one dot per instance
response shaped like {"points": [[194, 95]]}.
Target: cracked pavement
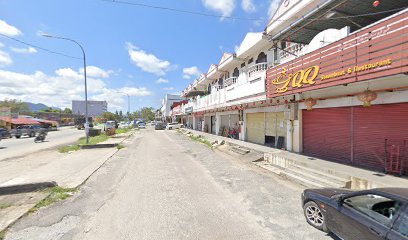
{"points": [[165, 186]]}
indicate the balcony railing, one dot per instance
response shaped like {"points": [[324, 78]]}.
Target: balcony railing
{"points": [[259, 67], [218, 87], [230, 81], [292, 50]]}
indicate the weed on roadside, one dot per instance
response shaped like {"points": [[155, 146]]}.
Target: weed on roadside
{"points": [[120, 146], [56, 194], [123, 130], [3, 206], [68, 148], [202, 140], [82, 141], [2, 234]]}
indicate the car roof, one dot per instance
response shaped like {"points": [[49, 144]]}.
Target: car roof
{"points": [[399, 192]]}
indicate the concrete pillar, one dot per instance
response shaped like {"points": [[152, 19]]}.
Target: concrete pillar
{"points": [[289, 135], [217, 123], [297, 133], [194, 122], [242, 135]]}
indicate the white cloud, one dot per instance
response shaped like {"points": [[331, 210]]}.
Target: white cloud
{"points": [[161, 80], [248, 6], [5, 59], [61, 88], [8, 29], [148, 62], [24, 50], [273, 7], [224, 7], [191, 72], [1, 45], [168, 89], [97, 72]]}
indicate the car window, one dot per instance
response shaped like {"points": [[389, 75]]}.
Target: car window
{"points": [[379, 208], [402, 224]]}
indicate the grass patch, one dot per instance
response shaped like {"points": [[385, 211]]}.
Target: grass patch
{"points": [[82, 141], [94, 140], [120, 146], [202, 140], [2, 234], [3, 206], [68, 148], [123, 130], [56, 194]]}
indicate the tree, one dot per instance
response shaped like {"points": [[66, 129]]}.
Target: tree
{"points": [[108, 116], [67, 111], [15, 105]]}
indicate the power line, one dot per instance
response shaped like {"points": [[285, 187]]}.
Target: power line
{"points": [[182, 10], [38, 47], [242, 18]]}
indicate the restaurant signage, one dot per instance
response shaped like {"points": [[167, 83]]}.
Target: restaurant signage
{"points": [[374, 52]]}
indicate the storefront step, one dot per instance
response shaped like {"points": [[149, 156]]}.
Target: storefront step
{"points": [[325, 182], [341, 181]]}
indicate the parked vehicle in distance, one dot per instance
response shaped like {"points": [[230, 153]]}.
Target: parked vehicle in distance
{"points": [[174, 125], [4, 133], [160, 126], [369, 214], [110, 125], [141, 125], [25, 130]]}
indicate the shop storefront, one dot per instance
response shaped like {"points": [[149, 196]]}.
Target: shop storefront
{"points": [[355, 90], [229, 125], [368, 137]]}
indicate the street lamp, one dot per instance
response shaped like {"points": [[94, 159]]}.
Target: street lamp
{"points": [[128, 100], [86, 88]]}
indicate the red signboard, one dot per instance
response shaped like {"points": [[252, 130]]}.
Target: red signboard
{"points": [[377, 51]]}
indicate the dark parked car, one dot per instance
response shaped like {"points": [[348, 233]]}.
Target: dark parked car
{"points": [[25, 130], [370, 214], [160, 126], [4, 133]]}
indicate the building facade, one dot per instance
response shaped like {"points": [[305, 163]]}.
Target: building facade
{"points": [[316, 82], [167, 102], [95, 108]]}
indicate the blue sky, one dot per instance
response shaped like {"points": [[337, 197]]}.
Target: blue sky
{"points": [[129, 48]]}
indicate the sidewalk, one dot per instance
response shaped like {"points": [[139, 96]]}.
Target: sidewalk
{"points": [[371, 179], [68, 170]]}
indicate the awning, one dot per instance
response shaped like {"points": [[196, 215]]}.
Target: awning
{"points": [[338, 14], [20, 121]]}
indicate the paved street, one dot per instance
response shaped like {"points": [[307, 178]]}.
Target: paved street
{"points": [[165, 186], [21, 147]]}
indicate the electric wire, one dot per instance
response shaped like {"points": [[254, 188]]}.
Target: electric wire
{"points": [[38, 47], [242, 18]]}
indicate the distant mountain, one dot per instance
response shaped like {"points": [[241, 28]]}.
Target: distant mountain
{"points": [[36, 107]]}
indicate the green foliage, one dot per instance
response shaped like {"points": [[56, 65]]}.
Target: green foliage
{"points": [[67, 111], [120, 146], [50, 110], [68, 148], [94, 140], [15, 105], [123, 130], [55, 194], [201, 140]]}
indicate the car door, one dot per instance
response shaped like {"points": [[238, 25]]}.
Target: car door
{"points": [[356, 218], [400, 228]]}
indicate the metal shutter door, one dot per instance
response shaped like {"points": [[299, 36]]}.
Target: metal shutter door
{"points": [[256, 127], [270, 124], [375, 124], [234, 121], [326, 133], [224, 121]]}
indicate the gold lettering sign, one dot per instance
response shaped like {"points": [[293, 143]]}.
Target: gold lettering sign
{"points": [[297, 79], [308, 76]]}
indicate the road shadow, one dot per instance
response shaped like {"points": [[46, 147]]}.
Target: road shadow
{"points": [[3, 147]]}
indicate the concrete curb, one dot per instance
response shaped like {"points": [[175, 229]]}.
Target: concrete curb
{"points": [[100, 145], [27, 187]]}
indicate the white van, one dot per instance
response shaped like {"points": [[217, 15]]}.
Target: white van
{"points": [[174, 125]]}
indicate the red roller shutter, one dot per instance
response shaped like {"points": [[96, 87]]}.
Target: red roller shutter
{"points": [[375, 124], [326, 133]]}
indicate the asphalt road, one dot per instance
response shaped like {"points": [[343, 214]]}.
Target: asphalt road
{"points": [[13, 147], [165, 186]]}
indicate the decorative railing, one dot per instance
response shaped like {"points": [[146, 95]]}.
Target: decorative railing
{"points": [[294, 49], [259, 67], [218, 87], [230, 81]]}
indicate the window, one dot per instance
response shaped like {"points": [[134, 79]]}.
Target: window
{"points": [[261, 58], [379, 208], [250, 60], [242, 65], [235, 73], [402, 225]]}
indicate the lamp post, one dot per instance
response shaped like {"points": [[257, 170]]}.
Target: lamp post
{"points": [[86, 88]]}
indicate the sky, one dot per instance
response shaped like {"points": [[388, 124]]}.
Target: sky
{"points": [[130, 50]]}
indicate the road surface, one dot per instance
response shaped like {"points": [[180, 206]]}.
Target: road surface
{"points": [[13, 147], [166, 186]]}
